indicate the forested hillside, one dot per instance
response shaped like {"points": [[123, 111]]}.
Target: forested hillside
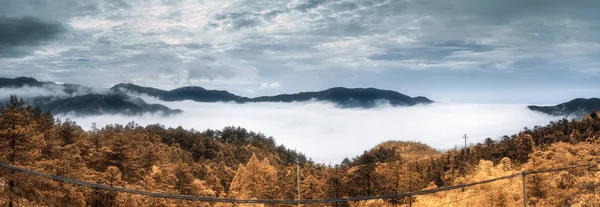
{"points": [[236, 163]]}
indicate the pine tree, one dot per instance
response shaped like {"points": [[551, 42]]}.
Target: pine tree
{"points": [[255, 180], [21, 141], [111, 177], [287, 183], [363, 180]]}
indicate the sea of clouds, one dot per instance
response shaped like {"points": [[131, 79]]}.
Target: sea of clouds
{"points": [[328, 134]]}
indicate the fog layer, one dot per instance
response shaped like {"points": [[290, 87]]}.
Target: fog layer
{"points": [[328, 134], [31, 92]]}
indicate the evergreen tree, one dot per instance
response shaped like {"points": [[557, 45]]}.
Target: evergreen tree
{"points": [[255, 180], [21, 141]]}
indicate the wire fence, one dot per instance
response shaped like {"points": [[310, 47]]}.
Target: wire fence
{"points": [[96, 186]]}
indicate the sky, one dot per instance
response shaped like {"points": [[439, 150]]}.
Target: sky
{"points": [[465, 51]]}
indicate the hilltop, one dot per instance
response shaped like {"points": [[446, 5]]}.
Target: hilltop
{"points": [[349, 97], [340, 96], [578, 107], [99, 104], [123, 98], [241, 164], [80, 100], [409, 150]]}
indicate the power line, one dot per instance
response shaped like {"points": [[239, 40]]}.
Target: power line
{"points": [[271, 201], [441, 142], [322, 159], [503, 131], [465, 198], [465, 149]]}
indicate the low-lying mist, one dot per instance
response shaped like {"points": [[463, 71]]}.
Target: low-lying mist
{"points": [[48, 90], [31, 92], [328, 134]]}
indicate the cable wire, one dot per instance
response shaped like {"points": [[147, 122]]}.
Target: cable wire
{"points": [[271, 201]]}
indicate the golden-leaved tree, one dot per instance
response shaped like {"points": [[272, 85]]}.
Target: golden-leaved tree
{"points": [[559, 188], [256, 179], [21, 144]]}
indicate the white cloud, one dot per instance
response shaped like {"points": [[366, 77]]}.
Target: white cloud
{"points": [[266, 85], [31, 92], [327, 133], [249, 91]]}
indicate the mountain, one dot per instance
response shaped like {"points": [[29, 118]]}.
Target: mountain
{"points": [[130, 87], [577, 107], [349, 97], [342, 97], [408, 150], [200, 94], [193, 93], [81, 100], [32, 82], [19, 82], [98, 104]]}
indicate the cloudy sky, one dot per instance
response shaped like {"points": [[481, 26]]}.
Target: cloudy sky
{"points": [[498, 51]]}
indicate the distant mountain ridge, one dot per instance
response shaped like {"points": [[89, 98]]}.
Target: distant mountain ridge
{"points": [[342, 97], [193, 93], [120, 99], [19, 82], [349, 97], [82, 101], [99, 104], [32, 82], [579, 107]]}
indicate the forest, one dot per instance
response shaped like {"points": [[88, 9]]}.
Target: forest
{"points": [[237, 163]]}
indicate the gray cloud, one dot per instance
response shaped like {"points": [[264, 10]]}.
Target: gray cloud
{"points": [[220, 69], [310, 4], [50, 10], [18, 33], [238, 20], [434, 50], [251, 42]]}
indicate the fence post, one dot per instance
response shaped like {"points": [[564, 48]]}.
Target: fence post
{"points": [[523, 174]]}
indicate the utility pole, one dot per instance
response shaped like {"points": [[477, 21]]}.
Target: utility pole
{"points": [[465, 151], [594, 195], [337, 193], [298, 178], [524, 192], [397, 183], [410, 189]]}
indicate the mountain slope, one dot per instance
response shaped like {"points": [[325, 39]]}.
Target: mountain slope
{"points": [[75, 99], [576, 107], [200, 94], [349, 97], [98, 104], [342, 97], [409, 150], [193, 93], [32, 82], [130, 87], [79, 99], [19, 82]]}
